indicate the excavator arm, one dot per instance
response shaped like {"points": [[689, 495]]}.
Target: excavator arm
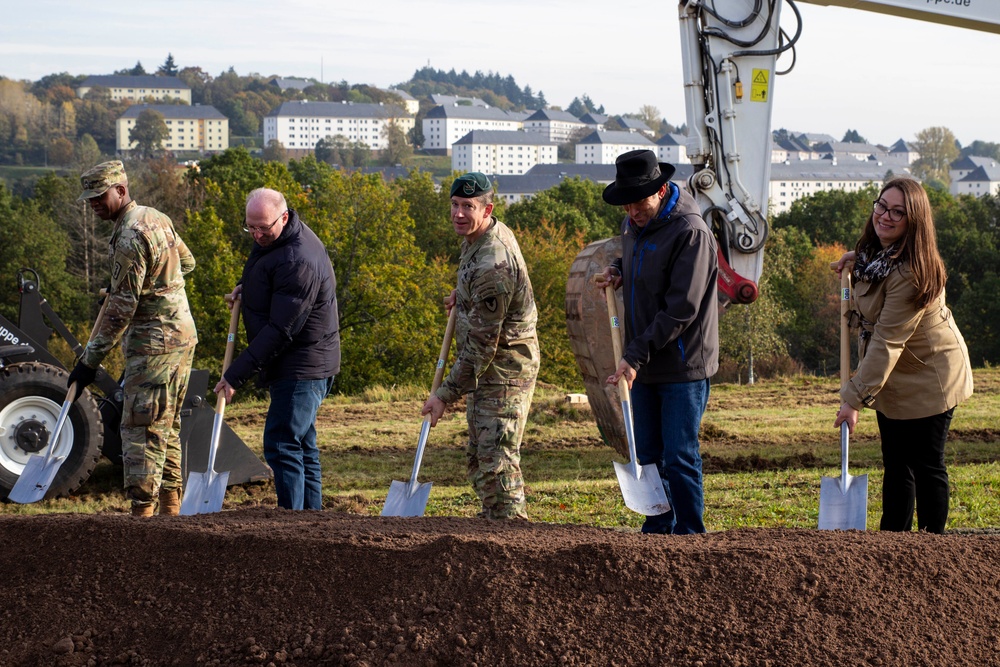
{"points": [[730, 57]]}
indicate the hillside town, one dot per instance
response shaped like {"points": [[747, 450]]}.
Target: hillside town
{"points": [[526, 151]]}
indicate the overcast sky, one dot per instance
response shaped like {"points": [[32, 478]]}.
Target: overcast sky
{"points": [[884, 76]]}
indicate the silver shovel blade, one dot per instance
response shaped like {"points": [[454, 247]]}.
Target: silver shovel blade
{"points": [[843, 506], [406, 501], [35, 479], [204, 493], [642, 491]]}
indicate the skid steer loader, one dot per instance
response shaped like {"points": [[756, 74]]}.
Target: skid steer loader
{"points": [[33, 388]]}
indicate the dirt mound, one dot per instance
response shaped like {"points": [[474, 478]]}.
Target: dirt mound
{"points": [[269, 587]]}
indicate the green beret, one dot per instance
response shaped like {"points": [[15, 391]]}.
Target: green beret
{"points": [[469, 185], [97, 180]]}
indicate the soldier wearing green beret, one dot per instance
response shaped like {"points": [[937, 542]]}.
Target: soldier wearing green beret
{"points": [[497, 349], [147, 310]]}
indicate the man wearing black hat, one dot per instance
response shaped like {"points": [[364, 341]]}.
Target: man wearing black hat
{"points": [[668, 271], [497, 349]]}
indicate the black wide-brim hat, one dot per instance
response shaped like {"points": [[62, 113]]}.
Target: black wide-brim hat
{"points": [[637, 175]]}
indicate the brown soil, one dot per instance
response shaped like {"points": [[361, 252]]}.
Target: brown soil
{"points": [[270, 587]]}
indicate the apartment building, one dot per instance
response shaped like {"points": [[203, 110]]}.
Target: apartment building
{"points": [[556, 126], [298, 125], [793, 180], [634, 125], [541, 177], [138, 88], [964, 166], [192, 128], [672, 148], [981, 181], [603, 147], [447, 123], [501, 152]]}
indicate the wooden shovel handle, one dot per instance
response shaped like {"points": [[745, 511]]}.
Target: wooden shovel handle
{"points": [[449, 332], [845, 333], [616, 338], [234, 323]]}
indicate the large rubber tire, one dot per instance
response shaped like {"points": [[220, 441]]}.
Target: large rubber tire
{"points": [[31, 397]]}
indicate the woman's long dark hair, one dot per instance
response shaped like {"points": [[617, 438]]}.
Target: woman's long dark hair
{"points": [[918, 246]]}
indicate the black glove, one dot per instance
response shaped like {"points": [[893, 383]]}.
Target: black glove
{"points": [[83, 376]]}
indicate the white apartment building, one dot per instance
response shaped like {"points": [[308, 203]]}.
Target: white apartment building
{"points": [[555, 125], [300, 124], [501, 152], [445, 124], [672, 148], [192, 128], [981, 181], [603, 147], [794, 180], [964, 166], [138, 88]]}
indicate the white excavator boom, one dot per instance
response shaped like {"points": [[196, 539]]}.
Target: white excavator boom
{"points": [[732, 52]]}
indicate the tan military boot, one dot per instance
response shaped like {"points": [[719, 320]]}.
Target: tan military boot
{"points": [[142, 510], [170, 502]]}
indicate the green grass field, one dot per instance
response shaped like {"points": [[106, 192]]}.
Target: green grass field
{"points": [[765, 448]]}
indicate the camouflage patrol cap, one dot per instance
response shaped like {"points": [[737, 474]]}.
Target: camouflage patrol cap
{"points": [[97, 180], [472, 184]]}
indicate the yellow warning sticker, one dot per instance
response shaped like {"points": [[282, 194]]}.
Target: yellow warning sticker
{"points": [[759, 85]]}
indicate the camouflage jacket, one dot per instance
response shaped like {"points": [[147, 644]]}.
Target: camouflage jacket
{"points": [[495, 328], [147, 303]]}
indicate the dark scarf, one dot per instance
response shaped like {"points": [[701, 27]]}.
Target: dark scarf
{"points": [[872, 267]]}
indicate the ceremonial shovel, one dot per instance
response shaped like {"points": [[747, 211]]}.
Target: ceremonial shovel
{"points": [[641, 486], [205, 491], [410, 498], [39, 471], [843, 501]]}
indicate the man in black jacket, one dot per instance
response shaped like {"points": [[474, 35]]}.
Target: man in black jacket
{"points": [[289, 307], [668, 271]]}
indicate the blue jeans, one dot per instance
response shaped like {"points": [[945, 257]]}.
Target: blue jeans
{"points": [[290, 442], [667, 418]]}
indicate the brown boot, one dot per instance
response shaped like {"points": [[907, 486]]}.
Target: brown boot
{"points": [[142, 510], [170, 502]]}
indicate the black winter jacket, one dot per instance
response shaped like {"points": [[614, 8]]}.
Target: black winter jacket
{"points": [[669, 271], [289, 310]]}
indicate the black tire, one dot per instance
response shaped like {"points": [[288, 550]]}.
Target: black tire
{"points": [[31, 397]]}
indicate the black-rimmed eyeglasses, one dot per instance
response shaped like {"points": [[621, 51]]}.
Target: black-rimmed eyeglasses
{"points": [[895, 214], [262, 230]]}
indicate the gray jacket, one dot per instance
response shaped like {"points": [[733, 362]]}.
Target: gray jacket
{"points": [[669, 270]]}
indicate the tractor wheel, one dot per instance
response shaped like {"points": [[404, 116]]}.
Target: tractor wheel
{"points": [[31, 397]]}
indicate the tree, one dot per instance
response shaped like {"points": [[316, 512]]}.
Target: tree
{"points": [[275, 152], [138, 70], [149, 132], [86, 153], [982, 149], [650, 115], [168, 68], [549, 250], [852, 136], [397, 150], [830, 216], [429, 206], [60, 151], [938, 148], [30, 238]]}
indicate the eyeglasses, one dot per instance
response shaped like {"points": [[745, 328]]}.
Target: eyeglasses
{"points": [[895, 214], [262, 230]]}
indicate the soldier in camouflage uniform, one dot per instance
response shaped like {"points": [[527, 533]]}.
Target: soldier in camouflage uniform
{"points": [[498, 356], [147, 309]]}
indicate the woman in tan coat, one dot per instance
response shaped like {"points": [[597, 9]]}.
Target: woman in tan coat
{"points": [[914, 366]]}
